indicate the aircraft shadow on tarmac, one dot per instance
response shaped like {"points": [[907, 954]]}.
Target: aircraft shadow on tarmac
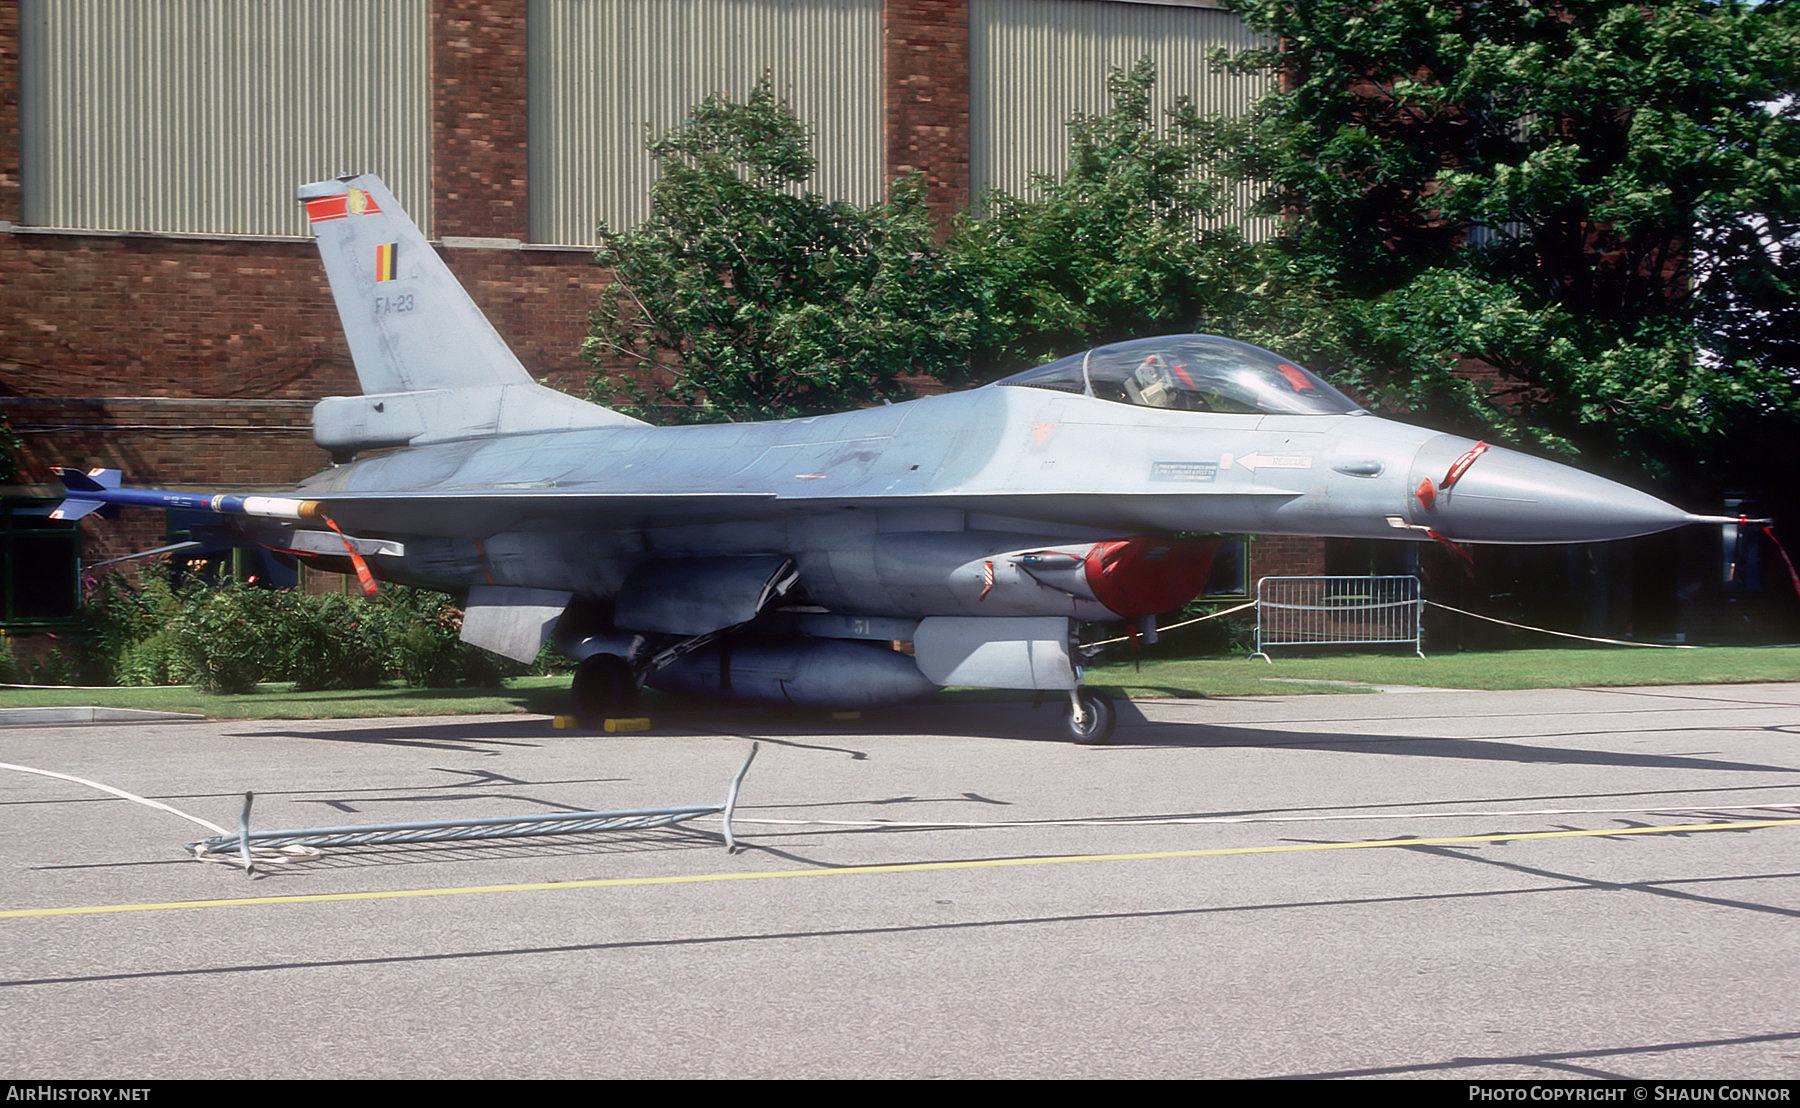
{"points": [[1486, 749], [1029, 722], [473, 737]]}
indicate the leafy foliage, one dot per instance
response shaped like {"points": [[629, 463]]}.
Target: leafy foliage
{"points": [[229, 639], [749, 298], [1580, 194], [10, 671], [119, 616], [223, 640]]}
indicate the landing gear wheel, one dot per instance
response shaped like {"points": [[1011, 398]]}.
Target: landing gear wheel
{"points": [[1091, 717], [604, 687]]}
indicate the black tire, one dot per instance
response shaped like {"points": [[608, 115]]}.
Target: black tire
{"points": [[604, 687], [1100, 719]]}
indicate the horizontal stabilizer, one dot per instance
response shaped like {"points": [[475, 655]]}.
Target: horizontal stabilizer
{"points": [[349, 424]]}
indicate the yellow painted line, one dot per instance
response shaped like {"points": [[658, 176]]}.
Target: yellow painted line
{"points": [[900, 867]]}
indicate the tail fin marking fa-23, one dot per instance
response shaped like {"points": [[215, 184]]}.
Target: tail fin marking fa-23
{"points": [[430, 364]]}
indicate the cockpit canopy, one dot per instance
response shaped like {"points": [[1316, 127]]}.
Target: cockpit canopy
{"points": [[1196, 373]]}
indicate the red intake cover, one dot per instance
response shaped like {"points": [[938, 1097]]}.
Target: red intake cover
{"points": [[1145, 576]]}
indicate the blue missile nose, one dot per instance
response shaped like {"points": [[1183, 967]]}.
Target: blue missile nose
{"points": [[1501, 496]]}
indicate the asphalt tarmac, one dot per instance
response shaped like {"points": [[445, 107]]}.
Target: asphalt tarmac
{"points": [[1555, 884]]}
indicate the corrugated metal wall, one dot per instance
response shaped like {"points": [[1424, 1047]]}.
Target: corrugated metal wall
{"points": [[603, 69], [203, 115], [1033, 64]]}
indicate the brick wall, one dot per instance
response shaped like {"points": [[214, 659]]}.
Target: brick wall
{"points": [[478, 119], [9, 112], [1286, 556], [926, 101], [143, 315], [539, 301]]}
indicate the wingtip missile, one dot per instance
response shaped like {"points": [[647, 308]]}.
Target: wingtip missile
{"points": [[100, 490]]}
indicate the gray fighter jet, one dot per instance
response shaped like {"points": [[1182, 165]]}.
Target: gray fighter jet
{"points": [[845, 560]]}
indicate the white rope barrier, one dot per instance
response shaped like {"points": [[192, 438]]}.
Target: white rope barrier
{"points": [[1563, 634], [1434, 604], [1179, 626], [238, 858], [120, 793]]}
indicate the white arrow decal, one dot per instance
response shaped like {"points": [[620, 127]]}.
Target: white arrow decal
{"points": [[1255, 462]]}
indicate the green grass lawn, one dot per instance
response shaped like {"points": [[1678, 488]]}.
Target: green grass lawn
{"points": [[1290, 673], [1510, 669]]}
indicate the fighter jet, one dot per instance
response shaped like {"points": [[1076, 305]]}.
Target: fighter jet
{"points": [[845, 560]]}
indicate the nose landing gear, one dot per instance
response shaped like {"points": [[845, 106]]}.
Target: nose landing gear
{"points": [[1092, 716]]}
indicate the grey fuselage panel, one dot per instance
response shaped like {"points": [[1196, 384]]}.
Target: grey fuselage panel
{"points": [[1027, 453]]}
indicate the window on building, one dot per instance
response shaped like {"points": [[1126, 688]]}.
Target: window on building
{"points": [[42, 557]]}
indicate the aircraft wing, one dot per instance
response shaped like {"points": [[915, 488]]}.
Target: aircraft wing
{"points": [[478, 513], [472, 514]]}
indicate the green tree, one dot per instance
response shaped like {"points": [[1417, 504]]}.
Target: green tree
{"points": [[1587, 195], [1129, 240], [743, 296]]}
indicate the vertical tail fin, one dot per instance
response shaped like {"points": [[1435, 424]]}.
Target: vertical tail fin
{"points": [[418, 340], [410, 325]]}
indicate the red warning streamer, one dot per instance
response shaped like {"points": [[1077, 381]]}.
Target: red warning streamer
{"points": [[362, 568], [1469, 562], [1792, 575], [1462, 464]]}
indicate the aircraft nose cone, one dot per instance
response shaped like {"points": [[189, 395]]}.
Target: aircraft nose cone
{"points": [[1503, 496]]}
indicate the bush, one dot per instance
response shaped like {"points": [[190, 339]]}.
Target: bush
{"points": [[156, 660], [227, 639], [223, 638], [116, 617], [424, 646], [328, 642]]}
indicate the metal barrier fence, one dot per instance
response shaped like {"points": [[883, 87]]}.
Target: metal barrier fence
{"points": [[247, 847], [1314, 611]]}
